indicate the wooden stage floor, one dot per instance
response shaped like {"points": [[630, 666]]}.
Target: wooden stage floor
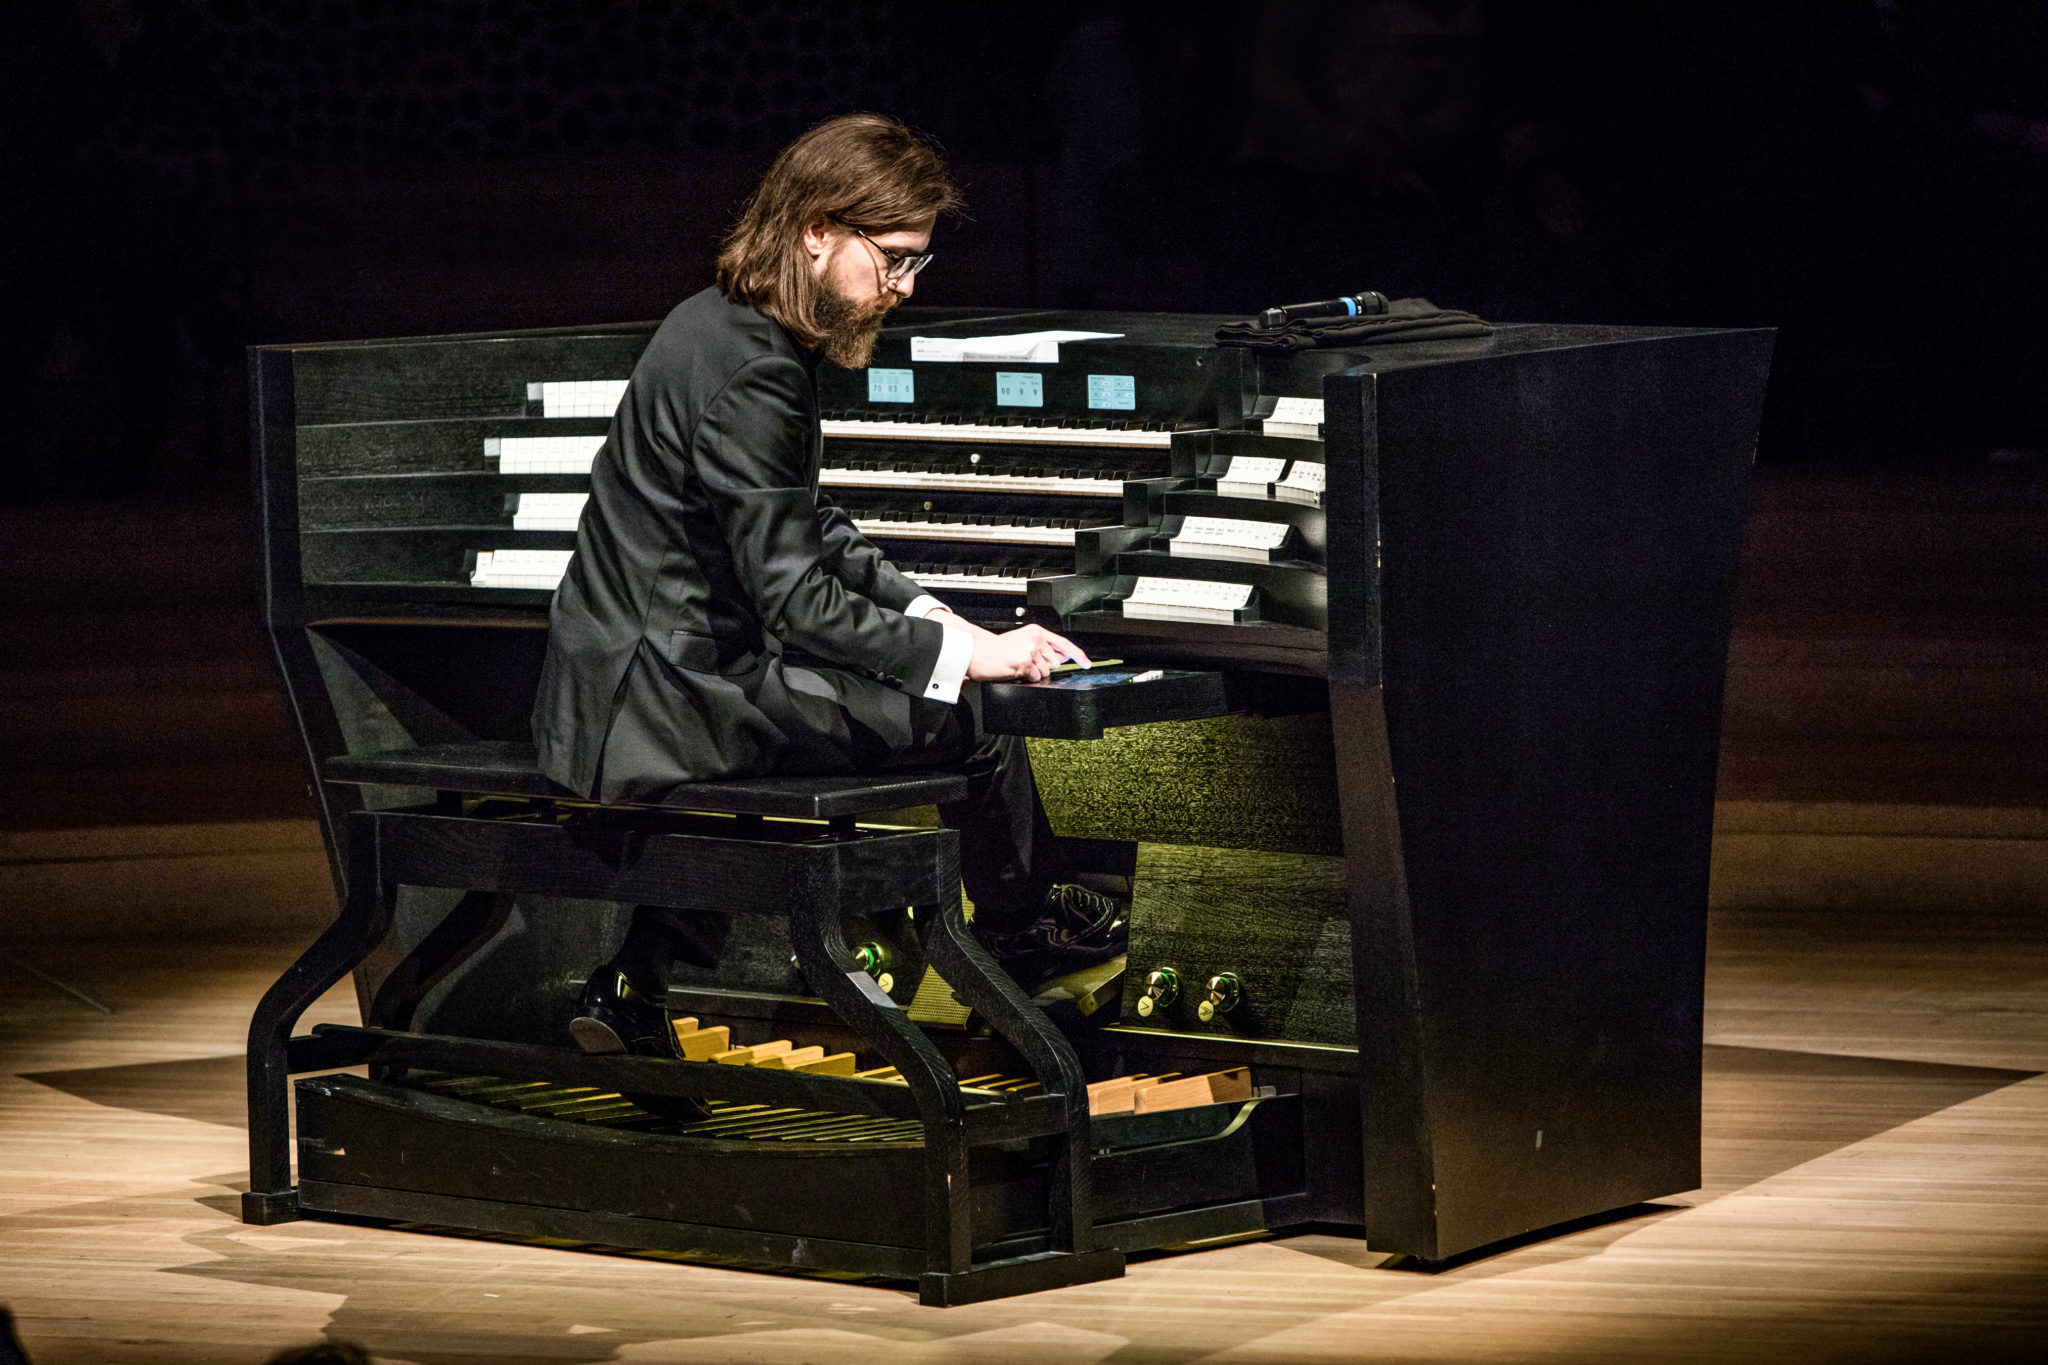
{"points": [[1877, 1191]]}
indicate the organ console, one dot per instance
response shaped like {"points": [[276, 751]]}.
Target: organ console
{"points": [[1408, 763]]}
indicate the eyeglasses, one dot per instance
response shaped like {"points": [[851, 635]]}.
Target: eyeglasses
{"points": [[901, 264]]}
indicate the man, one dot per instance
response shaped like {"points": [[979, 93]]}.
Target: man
{"points": [[722, 619]]}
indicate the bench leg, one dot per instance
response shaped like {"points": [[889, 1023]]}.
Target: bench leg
{"points": [[364, 920], [818, 939], [952, 947]]}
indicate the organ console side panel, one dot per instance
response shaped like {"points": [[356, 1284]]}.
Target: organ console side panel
{"points": [[1556, 553]]}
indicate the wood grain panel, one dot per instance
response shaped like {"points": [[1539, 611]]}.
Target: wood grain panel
{"points": [[1231, 782], [1275, 920]]}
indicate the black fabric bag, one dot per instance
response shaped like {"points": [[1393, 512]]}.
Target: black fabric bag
{"points": [[1404, 320]]}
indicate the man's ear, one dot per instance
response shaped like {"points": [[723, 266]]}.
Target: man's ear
{"points": [[814, 235]]}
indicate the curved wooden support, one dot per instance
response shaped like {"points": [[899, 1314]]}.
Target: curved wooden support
{"points": [[364, 920], [967, 966], [817, 937]]}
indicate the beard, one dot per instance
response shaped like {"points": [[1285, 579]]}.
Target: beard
{"points": [[851, 326]]}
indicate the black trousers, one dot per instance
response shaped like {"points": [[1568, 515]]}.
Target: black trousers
{"points": [[840, 722]]}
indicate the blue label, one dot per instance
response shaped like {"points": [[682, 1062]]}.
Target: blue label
{"points": [[1118, 391], [1019, 389], [892, 386]]}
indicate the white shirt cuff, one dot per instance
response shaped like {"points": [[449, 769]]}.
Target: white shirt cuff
{"points": [[951, 669], [923, 606]]}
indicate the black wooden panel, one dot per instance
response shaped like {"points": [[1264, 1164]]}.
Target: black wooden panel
{"points": [[421, 500], [428, 445], [1559, 533], [413, 554], [1082, 705], [1215, 1170], [510, 768], [909, 867], [1178, 374], [442, 377], [570, 1225], [358, 1132], [425, 604]]}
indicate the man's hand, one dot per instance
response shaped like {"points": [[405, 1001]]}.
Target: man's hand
{"points": [[1026, 654]]}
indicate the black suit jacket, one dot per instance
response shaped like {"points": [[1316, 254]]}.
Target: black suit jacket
{"points": [[704, 551]]}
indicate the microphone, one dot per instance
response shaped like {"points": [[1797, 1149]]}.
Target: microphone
{"points": [[1367, 303]]}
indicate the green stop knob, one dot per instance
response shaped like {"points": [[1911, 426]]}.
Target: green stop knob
{"points": [[1220, 995], [1162, 988]]}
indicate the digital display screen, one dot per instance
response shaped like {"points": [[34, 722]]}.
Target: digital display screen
{"points": [[1100, 677], [1019, 389], [892, 386], [1113, 392]]}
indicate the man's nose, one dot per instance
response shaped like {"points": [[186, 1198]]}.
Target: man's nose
{"points": [[904, 286]]}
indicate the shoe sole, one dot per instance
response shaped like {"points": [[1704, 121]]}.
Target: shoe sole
{"points": [[595, 1037]]}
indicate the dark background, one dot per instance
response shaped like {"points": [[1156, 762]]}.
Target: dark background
{"points": [[188, 177]]}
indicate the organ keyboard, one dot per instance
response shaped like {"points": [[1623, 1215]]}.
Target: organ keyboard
{"points": [[1017, 431], [1030, 480], [1425, 647]]}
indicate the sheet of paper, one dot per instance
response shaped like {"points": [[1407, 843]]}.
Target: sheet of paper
{"points": [[1305, 474], [1032, 348], [1251, 535], [1301, 411]]}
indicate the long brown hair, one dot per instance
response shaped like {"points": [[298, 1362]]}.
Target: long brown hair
{"points": [[862, 171]]}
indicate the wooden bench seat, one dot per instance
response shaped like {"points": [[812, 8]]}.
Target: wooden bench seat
{"points": [[509, 768]]}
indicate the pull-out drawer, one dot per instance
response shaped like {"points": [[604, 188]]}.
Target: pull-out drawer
{"points": [[1081, 705]]}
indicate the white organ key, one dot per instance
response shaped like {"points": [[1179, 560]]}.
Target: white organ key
{"points": [[982, 483], [520, 568], [953, 530], [1248, 476], [578, 397], [548, 511], [542, 454], [995, 433], [1012, 583]]}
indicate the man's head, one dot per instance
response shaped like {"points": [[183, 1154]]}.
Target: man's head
{"points": [[820, 246]]}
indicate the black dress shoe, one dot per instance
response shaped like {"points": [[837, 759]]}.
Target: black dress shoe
{"points": [[1077, 929], [616, 1016], [1085, 914]]}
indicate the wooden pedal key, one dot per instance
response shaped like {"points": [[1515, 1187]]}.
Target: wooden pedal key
{"points": [[1218, 1087], [701, 1044]]}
